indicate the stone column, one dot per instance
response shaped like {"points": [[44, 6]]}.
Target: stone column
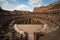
{"points": [[30, 36]]}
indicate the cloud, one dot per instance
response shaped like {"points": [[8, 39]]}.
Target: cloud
{"points": [[2, 0], [16, 6], [5, 0], [6, 5], [35, 2], [14, 0], [46, 4], [23, 7]]}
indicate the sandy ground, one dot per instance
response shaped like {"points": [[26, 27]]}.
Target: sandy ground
{"points": [[29, 28]]}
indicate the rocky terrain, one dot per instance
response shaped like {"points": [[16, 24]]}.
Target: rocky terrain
{"points": [[49, 15]]}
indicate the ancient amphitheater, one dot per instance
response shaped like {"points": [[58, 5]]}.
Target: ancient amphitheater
{"points": [[43, 22]]}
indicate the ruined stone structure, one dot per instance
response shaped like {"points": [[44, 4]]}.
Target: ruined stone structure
{"points": [[49, 15], [52, 7]]}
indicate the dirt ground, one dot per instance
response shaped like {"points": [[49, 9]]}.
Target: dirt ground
{"points": [[29, 28]]}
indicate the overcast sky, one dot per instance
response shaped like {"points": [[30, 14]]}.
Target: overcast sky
{"points": [[25, 5]]}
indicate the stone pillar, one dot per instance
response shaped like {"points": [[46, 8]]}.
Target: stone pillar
{"points": [[37, 35], [26, 38], [31, 36], [34, 36]]}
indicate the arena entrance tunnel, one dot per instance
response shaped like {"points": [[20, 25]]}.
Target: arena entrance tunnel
{"points": [[31, 26]]}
